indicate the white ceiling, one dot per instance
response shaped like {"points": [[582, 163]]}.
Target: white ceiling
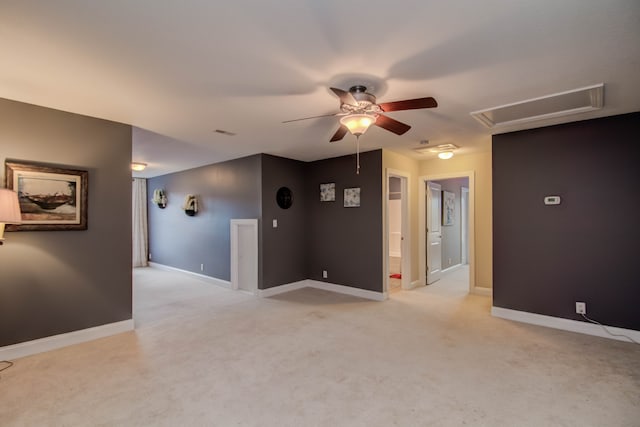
{"points": [[178, 70]]}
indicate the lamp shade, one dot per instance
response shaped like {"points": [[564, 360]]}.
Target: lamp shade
{"points": [[358, 123], [9, 207]]}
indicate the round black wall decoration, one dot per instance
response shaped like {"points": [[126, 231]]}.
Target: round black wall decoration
{"points": [[284, 197]]}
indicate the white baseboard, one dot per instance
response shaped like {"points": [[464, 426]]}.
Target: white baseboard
{"points": [[564, 324], [478, 290], [213, 280], [348, 290], [62, 340], [266, 293], [415, 284], [308, 283], [450, 269]]}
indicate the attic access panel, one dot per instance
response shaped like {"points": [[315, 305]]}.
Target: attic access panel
{"points": [[546, 107]]}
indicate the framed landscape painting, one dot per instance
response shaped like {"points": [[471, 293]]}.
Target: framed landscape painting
{"points": [[50, 198]]}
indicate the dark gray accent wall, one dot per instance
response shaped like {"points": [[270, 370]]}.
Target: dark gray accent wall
{"points": [[347, 242], [310, 237], [451, 234], [548, 257], [284, 248], [225, 191], [53, 282]]}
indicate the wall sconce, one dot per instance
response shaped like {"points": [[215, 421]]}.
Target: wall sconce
{"points": [[9, 210], [160, 198], [190, 206]]}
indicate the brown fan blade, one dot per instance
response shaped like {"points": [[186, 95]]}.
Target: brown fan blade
{"points": [[391, 125], [340, 133], [409, 104], [345, 97], [312, 117]]}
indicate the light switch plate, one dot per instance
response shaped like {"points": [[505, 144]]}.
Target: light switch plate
{"points": [[275, 223]]}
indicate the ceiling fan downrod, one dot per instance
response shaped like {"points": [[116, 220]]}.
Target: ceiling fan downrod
{"points": [[357, 154]]}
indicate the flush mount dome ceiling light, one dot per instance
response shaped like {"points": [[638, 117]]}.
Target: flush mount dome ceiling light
{"points": [[445, 151], [137, 166]]}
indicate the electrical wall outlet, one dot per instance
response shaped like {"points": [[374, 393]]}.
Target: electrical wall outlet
{"points": [[581, 307], [324, 274], [275, 223], [201, 267]]}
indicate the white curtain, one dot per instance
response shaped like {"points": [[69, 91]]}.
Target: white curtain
{"points": [[140, 233]]}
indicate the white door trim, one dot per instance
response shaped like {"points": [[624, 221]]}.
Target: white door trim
{"points": [[422, 251], [405, 244], [433, 193], [235, 225], [464, 227]]}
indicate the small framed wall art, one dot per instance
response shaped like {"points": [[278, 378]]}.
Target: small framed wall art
{"points": [[352, 197], [328, 192], [448, 207]]}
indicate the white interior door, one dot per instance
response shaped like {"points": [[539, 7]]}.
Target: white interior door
{"points": [[244, 254], [434, 231]]}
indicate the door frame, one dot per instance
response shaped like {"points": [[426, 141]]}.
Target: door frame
{"points": [[235, 225], [422, 238], [405, 243], [464, 230]]}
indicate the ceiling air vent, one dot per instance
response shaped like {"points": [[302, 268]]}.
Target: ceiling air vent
{"points": [[546, 107], [437, 149]]}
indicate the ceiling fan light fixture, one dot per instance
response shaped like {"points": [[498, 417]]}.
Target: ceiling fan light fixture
{"points": [[445, 155], [358, 123]]}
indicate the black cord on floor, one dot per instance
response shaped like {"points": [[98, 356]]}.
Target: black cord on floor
{"points": [[607, 331], [8, 363]]}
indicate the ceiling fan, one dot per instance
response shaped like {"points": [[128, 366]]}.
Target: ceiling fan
{"points": [[360, 110]]}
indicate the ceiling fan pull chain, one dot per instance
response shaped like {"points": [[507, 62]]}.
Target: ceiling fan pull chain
{"points": [[357, 154]]}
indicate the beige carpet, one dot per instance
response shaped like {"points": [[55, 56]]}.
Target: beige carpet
{"points": [[203, 355]]}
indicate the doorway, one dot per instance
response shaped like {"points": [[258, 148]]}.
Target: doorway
{"points": [[397, 247], [433, 263], [244, 255]]}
